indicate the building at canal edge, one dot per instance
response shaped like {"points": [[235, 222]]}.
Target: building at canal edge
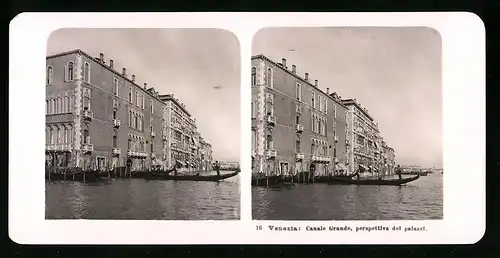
{"points": [[297, 127], [100, 118]]}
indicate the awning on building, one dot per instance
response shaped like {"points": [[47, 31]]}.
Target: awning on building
{"points": [[180, 162], [363, 166]]}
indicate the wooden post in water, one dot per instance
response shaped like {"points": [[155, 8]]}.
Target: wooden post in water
{"points": [[84, 173], [65, 175]]}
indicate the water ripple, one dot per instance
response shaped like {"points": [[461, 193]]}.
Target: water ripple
{"points": [[138, 199], [419, 200]]}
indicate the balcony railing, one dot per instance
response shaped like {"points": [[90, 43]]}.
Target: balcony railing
{"points": [[116, 123], [117, 151], [153, 134], [336, 138], [87, 147], [271, 153], [299, 156], [87, 114], [271, 120], [300, 128], [59, 147]]}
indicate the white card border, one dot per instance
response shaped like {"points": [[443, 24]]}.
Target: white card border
{"points": [[463, 39]]}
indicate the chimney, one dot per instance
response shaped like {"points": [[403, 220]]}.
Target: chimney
{"points": [[124, 72], [294, 69], [316, 83], [101, 57], [133, 77], [145, 85], [328, 91], [283, 61], [306, 77], [111, 62]]}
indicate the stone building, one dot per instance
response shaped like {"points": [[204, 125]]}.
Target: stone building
{"points": [[296, 126], [98, 117]]}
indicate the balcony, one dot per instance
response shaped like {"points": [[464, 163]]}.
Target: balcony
{"points": [[152, 155], [336, 160], [86, 147], [153, 134], [59, 147], [300, 128], [336, 138], [117, 151], [271, 120], [116, 123], [271, 153], [299, 156], [131, 153], [87, 114]]}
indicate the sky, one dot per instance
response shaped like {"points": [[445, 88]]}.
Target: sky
{"points": [[393, 72], [200, 66]]}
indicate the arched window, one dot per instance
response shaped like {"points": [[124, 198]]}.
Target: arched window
{"points": [[254, 76], [70, 134], [129, 118], [254, 140], [70, 73], [86, 136], [56, 136], [114, 140], [47, 107], [49, 75], [129, 144], [65, 135], [136, 121], [65, 104], [86, 101], [52, 106], [71, 103], [86, 72], [52, 132], [269, 78], [47, 135]]}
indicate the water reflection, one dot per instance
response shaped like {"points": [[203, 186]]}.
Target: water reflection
{"points": [[144, 200]]}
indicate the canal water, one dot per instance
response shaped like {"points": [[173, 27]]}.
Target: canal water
{"points": [[419, 200], [139, 199]]}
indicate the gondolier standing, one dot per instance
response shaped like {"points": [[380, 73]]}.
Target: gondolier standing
{"points": [[217, 167], [398, 172]]}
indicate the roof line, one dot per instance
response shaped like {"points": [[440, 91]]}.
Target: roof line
{"points": [[279, 65]]}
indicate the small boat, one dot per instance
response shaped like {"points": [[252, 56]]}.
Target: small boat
{"points": [[265, 180], [166, 176], [350, 181]]}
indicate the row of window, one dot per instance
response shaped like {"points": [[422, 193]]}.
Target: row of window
{"points": [[139, 97], [316, 101], [59, 105], [59, 135], [69, 73]]}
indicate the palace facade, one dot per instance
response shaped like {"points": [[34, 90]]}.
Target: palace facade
{"points": [[100, 118], [366, 147], [296, 126]]}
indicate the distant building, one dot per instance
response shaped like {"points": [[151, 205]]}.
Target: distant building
{"points": [[296, 127], [206, 155], [97, 117], [363, 138]]}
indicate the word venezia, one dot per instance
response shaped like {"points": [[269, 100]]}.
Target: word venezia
{"points": [[307, 228]]}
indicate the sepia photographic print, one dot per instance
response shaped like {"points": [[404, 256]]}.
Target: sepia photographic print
{"points": [[347, 124], [273, 128], [141, 124]]}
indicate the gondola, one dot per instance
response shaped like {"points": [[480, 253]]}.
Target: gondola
{"points": [[350, 181], [265, 180], [165, 176]]}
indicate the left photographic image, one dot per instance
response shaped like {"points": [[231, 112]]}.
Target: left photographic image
{"points": [[142, 124]]}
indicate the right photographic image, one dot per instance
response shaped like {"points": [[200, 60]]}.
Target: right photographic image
{"points": [[347, 123]]}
